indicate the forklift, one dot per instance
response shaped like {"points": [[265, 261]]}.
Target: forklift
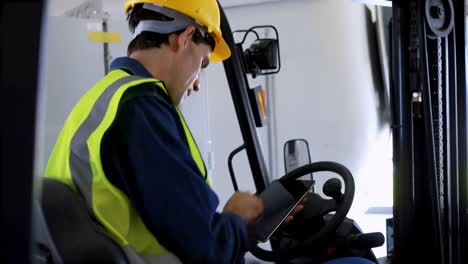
{"points": [[428, 102]]}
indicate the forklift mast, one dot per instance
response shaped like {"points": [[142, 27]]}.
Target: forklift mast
{"points": [[429, 120]]}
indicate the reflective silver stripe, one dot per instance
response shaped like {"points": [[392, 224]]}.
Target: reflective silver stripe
{"points": [[135, 258], [80, 167]]}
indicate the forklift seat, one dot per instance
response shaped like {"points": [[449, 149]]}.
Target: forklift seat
{"points": [[77, 237]]}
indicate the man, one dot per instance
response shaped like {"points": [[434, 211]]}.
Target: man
{"points": [[128, 151]]}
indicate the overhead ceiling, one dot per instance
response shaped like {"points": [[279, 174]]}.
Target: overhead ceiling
{"points": [[59, 7]]}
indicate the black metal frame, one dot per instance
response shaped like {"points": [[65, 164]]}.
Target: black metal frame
{"points": [[19, 56], [458, 118], [430, 203], [239, 86], [252, 30]]}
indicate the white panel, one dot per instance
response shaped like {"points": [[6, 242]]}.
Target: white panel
{"points": [[119, 24], [73, 65]]}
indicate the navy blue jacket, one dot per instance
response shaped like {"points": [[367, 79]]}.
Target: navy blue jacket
{"points": [[146, 155]]}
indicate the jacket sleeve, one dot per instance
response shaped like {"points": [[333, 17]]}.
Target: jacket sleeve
{"points": [[169, 191]]}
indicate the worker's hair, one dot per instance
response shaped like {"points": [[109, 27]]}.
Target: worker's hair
{"points": [[148, 40]]}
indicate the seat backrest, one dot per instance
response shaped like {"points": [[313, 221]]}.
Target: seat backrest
{"points": [[44, 250], [77, 237]]}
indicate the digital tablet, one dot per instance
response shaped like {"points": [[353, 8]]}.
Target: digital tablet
{"points": [[279, 199]]}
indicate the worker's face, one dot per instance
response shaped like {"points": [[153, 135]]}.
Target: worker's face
{"points": [[191, 58]]}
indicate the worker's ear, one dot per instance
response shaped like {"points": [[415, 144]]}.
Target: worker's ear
{"points": [[186, 36]]}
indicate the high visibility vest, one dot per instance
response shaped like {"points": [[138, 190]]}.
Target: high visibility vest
{"points": [[76, 160]]}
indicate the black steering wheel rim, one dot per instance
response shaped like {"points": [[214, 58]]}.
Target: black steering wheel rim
{"points": [[331, 225]]}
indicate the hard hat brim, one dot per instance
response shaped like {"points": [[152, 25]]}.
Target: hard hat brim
{"points": [[221, 50]]}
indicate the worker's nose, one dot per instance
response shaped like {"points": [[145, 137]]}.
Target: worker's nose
{"points": [[196, 84]]}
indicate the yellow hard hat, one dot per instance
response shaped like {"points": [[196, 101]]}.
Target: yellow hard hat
{"points": [[205, 12]]}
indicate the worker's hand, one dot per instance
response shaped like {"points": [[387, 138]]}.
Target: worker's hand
{"points": [[296, 210], [249, 207]]}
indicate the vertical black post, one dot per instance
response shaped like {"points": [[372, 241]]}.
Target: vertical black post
{"points": [[458, 115], [403, 212], [430, 159], [238, 84], [105, 47], [21, 28]]}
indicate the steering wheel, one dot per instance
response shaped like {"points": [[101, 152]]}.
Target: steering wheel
{"points": [[318, 207]]}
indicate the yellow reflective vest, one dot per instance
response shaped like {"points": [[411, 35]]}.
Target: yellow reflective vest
{"points": [[76, 160]]}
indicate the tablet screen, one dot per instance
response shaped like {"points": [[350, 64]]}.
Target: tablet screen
{"points": [[279, 199]]}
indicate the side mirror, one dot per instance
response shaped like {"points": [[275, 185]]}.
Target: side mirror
{"points": [[296, 154]]}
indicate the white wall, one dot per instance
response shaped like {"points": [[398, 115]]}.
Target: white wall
{"points": [[72, 66]]}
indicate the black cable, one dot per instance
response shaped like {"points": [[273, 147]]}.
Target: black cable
{"points": [[231, 170]]}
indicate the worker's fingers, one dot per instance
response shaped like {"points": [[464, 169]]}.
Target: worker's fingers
{"points": [[249, 207], [289, 219], [297, 209]]}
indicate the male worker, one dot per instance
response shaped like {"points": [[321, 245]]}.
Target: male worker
{"points": [[128, 151]]}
